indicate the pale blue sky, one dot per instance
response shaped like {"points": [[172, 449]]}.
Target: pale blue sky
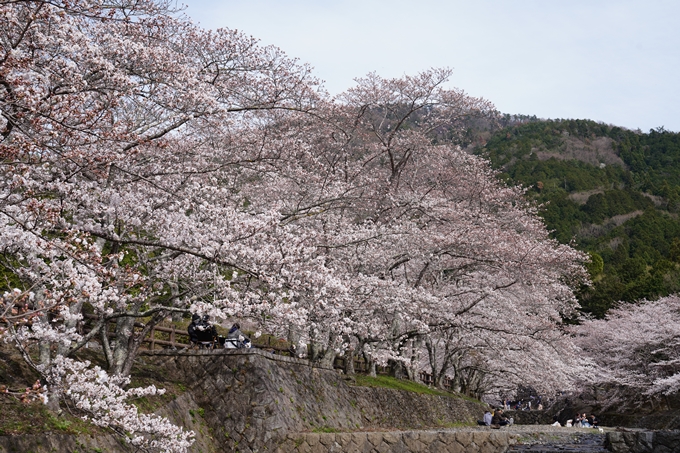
{"points": [[613, 61]]}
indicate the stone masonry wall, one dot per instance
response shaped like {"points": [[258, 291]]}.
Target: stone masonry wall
{"points": [[644, 441], [254, 400], [399, 442]]}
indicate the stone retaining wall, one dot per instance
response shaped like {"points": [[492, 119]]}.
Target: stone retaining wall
{"points": [[399, 442], [530, 417], [251, 401], [664, 420], [254, 400], [643, 441]]}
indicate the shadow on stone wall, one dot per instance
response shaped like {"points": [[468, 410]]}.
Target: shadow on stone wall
{"points": [[644, 442]]}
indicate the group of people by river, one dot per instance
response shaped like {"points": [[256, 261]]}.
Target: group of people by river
{"points": [[495, 418], [580, 421], [531, 403]]}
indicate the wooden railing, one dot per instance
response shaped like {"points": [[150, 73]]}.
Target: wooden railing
{"points": [[428, 379], [173, 338]]}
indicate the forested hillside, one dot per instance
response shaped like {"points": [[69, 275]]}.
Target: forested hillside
{"points": [[614, 192]]}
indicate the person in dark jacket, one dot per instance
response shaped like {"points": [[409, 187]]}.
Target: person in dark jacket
{"points": [[499, 419], [193, 334], [209, 328], [201, 331]]}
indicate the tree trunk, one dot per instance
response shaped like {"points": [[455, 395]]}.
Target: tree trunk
{"points": [[328, 358], [372, 368], [412, 367], [106, 346], [349, 362], [437, 372], [456, 385], [329, 354], [294, 338], [121, 344], [397, 369], [370, 363], [45, 346], [45, 352], [174, 293], [136, 341], [315, 351]]}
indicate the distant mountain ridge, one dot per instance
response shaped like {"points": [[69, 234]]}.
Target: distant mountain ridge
{"points": [[614, 192]]}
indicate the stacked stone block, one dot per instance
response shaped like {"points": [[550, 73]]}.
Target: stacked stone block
{"points": [[399, 442]]}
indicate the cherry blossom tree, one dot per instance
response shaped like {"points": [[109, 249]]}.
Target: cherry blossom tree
{"points": [[103, 398], [635, 349], [433, 243], [115, 187]]}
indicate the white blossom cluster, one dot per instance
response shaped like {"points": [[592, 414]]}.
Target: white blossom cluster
{"points": [[102, 397]]}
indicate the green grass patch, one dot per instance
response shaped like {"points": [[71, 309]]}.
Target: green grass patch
{"points": [[200, 411], [20, 418], [401, 384], [144, 376]]}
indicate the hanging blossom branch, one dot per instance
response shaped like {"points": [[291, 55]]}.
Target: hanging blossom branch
{"points": [[104, 401]]}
